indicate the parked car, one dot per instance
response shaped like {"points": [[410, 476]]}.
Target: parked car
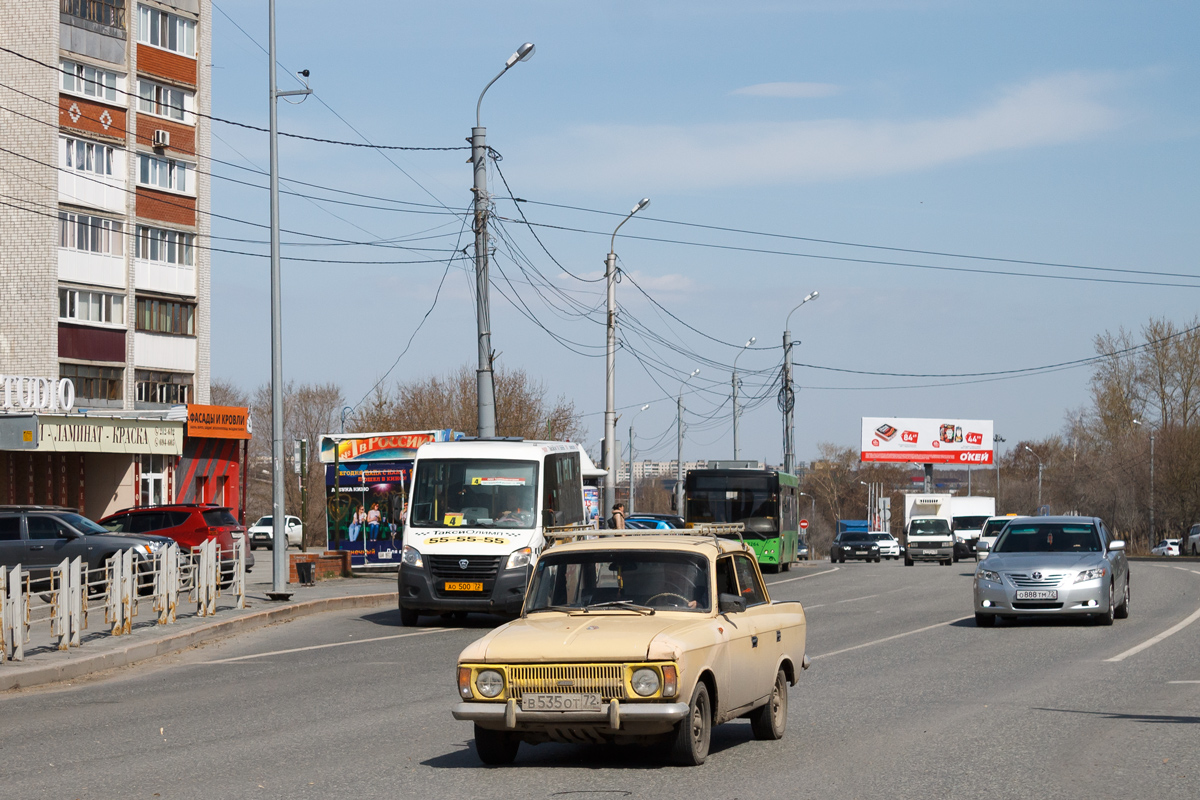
{"points": [[262, 533], [672, 520], [40, 537], [1167, 547], [855, 545], [802, 550], [635, 640], [889, 547], [189, 524], [1053, 566], [1192, 545]]}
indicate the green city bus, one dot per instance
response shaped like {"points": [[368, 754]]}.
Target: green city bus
{"points": [[765, 501]]}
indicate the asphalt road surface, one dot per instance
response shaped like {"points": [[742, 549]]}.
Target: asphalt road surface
{"points": [[906, 698]]}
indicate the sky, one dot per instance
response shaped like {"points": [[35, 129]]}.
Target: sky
{"points": [[971, 187]]}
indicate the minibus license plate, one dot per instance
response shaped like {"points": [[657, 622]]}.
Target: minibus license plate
{"points": [[463, 586]]}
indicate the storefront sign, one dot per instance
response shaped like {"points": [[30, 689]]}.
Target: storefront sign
{"points": [[106, 435], [380, 446], [19, 392], [218, 422]]}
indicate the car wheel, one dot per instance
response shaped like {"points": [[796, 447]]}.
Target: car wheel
{"points": [[496, 747], [786, 566], [693, 732], [1122, 611], [954, 558], [876, 559], [1108, 616], [908, 562], [984, 620], [409, 617], [253, 547], [770, 721]]}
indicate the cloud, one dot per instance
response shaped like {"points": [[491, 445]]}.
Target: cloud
{"points": [[1050, 111], [792, 90]]}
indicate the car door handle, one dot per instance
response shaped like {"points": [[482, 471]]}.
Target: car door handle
{"points": [[37, 547], [779, 636], [754, 641]]}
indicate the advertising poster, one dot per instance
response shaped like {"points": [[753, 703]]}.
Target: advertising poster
{"points": [[366, 504], [935, 440], [591, 504]]}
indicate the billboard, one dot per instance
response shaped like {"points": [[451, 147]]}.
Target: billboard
{"points": [[927, 441]]}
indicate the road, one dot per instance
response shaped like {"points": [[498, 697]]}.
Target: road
{"points": [[906, 698]]}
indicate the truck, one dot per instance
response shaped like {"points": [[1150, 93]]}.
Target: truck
{"points": [[478, 516], [964, 518]]}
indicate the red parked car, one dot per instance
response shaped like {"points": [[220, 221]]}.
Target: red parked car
{"points": [[189, 524]]}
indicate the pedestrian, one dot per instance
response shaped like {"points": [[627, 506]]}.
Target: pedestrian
{"points": [[617, 520]]}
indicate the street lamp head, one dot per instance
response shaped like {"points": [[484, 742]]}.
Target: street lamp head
{"points": [[645, 407], [695, 372], [753, 339], [811, 296], [524, 53], [1137, 422], [645, 201], [1030, 449]]}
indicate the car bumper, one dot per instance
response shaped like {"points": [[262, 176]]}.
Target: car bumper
{"points": [[613, 717], [418, 592], [858, 555], [916, 552], [1091, 597]]}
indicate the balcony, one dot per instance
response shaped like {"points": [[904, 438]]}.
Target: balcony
{"points": [[103, 16]]}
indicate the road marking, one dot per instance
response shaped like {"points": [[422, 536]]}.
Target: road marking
{"points": [[890, 638], [333, 644], [1183, 681], [1153, 640], [802, 577]]}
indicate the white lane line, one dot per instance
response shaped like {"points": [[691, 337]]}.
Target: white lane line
{"points": [[1183, 681], [333, 644], [802, 577], [1153, 640], [890, 638]]}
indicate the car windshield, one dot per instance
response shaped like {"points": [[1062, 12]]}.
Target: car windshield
{"points": [[993, 527], [928, 527], [219, 518], [968, 523], [474, 492], [1048, 537], [644, 578], [856, 538], [82, 523], [263, 522], [881, 537]]}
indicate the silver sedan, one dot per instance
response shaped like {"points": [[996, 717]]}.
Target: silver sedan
{"points": [[1053, 566]]}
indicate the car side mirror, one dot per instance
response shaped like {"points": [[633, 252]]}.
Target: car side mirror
{"points": [[1116, 544], [730, 603], [983, 547], [71, 533]]}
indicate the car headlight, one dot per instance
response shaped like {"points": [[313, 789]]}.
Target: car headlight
{"points": [[645, 681], [411, 557], [947, 544], [489, 683], [988, 575], [1092, 574], [519, 558]]}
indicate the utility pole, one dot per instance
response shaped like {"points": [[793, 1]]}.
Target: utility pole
{"points": [[787, 396], [485, 389], [679, 444], [279, 574], [631, 421], [1151, 543], [753, 339], [997, 440], [302, 468]]}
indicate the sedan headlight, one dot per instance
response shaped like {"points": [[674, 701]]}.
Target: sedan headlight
{"points": [[645, 681], [1095, 573], [411, 557], [519, 558], [489, 683], [988, 575]]}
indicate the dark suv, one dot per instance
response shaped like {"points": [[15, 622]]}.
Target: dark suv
{"points": [[189, 524], [40, 537]]}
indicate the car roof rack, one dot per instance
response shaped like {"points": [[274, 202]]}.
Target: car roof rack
{"points": [[717, 530]]}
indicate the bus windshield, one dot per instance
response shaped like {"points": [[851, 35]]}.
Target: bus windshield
{"points": [[474, 492], [730, 498]]}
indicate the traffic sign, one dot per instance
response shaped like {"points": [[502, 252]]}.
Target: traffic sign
{"points": [[803, 524]]}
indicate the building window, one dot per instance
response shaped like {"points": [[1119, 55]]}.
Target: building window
{"points": [[166, 247], [168, 388], [90, 234], [153, 470], [90, 81], [164, 173], [168, 31], [84, 156], [164, 101], [105, 12], [105, 384], [166, 316], [82, 306]]}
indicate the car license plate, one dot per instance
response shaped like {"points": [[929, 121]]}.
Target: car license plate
{"points": [[929, 552], [860, 552], [560, 702], [463, 586], [1037, 594]]}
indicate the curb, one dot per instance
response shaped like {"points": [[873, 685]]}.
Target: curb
{"points": [[24, 678]]}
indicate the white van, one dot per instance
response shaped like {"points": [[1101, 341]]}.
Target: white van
{"points": [[477, 513]]}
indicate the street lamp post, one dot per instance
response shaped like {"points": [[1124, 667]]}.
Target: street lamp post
{"points": [[997, 440], [1039, 460], [813, 511], [610, 363], [679, 443], [787, 395], [1150, 543], [753, 339], [635, 416], [484, 385]]}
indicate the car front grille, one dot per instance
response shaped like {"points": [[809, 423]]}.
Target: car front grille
{"points": [[1038, 605], [608, 680], [477, 567], [1026, 580]]}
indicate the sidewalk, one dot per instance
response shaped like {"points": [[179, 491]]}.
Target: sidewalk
{"points": [[100, 650]]}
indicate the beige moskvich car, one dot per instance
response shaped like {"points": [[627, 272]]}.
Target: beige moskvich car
{"points": [[635, 639]]}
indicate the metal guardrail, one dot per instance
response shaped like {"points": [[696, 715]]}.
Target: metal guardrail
{"points": [[72, 593]]}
